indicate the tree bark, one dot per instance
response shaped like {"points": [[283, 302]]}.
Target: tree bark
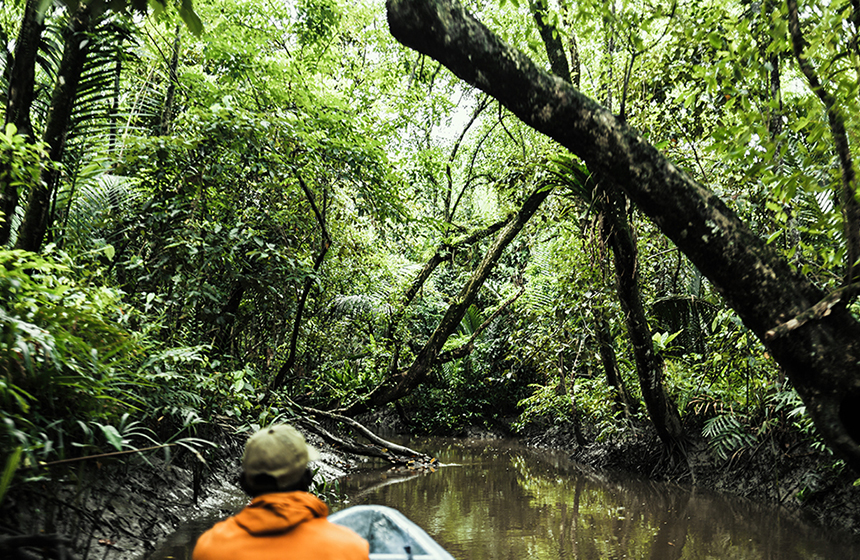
{"points": [[822, 357], [37, 217], [623, 401], [551, 40], [20, 99], [325, 243], [466, 349], [173, 79], [442, 253], [616, 230], [649, 366]]}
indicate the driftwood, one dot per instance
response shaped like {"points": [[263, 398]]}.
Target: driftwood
{"points": [[378, 447]]}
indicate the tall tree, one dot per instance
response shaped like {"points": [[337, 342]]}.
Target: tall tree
{"points": [[20, 99], [617, 233], [82, 19]]}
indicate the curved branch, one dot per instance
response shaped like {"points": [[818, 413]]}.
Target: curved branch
{"points": [[403, 383], [466, 349], [325, 243], [848, 193]]}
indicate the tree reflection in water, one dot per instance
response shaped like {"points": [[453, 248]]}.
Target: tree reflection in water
{"points": [[499, 501]]}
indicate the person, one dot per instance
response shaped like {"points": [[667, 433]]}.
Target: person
{"points": [[283, 520]]}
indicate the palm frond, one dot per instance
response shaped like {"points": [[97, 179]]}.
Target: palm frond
{"points": [[353, 304], [689, 315], [98, 196], [726, 435], [472, 319]]}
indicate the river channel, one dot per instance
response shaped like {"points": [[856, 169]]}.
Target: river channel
{"points": [[497, 500]]}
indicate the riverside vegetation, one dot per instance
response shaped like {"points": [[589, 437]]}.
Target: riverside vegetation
{"points": [[625, 226]]}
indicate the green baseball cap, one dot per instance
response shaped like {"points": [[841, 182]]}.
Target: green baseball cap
{"points": [[279, 451]]}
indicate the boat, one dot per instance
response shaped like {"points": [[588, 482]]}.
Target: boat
{"points": [[392, 536]]}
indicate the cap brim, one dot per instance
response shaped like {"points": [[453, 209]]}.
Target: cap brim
{"points": [[313, 454]]}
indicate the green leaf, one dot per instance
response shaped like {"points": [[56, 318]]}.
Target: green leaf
{"points": [[9, 471], [112, 436], [190, 17], [715, 39]]}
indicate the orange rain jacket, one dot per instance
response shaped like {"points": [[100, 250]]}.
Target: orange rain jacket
{"points": [[281, 526]]}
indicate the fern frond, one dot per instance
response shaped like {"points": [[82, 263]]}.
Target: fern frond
{"points": [[726, 435]]}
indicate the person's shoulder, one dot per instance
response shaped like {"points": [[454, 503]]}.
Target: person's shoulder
{"points": [[210, 543]]}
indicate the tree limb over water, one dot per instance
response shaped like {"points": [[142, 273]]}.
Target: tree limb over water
{"points": [[822, 357]]}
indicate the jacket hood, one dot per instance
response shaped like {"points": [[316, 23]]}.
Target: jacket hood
{"points": [[273, 514]]}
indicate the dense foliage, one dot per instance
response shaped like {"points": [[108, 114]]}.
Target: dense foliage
{"points": [[235, 219]]}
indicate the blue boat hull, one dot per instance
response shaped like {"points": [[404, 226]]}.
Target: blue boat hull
{"points": [[392, 536]]}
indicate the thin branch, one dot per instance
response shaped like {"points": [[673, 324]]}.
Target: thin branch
{"points": [[442, 252], [467, 348], [103, 455], [815, 313], [508, 132], [692, 146], [471, 168], [325, 243], [483, 103], [393, 447], [848, 195]]}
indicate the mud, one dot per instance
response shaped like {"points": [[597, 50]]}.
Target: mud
{"points": [[122, 510]]}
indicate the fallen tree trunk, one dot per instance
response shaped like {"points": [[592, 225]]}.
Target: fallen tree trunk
{"points": [[822, 357]]}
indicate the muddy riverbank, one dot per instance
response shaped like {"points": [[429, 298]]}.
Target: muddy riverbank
{"points": [[793, 475], [121, 510]]}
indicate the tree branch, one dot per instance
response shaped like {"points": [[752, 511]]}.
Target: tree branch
{"points": [[848, 193], [466, 349], [815, 313], [325, 243], [403, 383], [822, 358], [442, 252]]}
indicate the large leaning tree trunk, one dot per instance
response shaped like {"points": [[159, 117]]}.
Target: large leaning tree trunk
{"points": [[811, 334]]}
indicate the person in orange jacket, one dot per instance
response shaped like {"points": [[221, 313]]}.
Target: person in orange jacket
{"points": [[283, 521]]}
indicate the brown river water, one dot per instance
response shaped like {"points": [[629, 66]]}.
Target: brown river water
{"points": [[496, 500]]}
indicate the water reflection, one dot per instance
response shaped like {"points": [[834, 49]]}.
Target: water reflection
{"points": [[505, 502], [501, 501]]}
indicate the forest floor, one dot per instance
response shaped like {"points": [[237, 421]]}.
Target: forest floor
{"points": [[808, 484]]}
